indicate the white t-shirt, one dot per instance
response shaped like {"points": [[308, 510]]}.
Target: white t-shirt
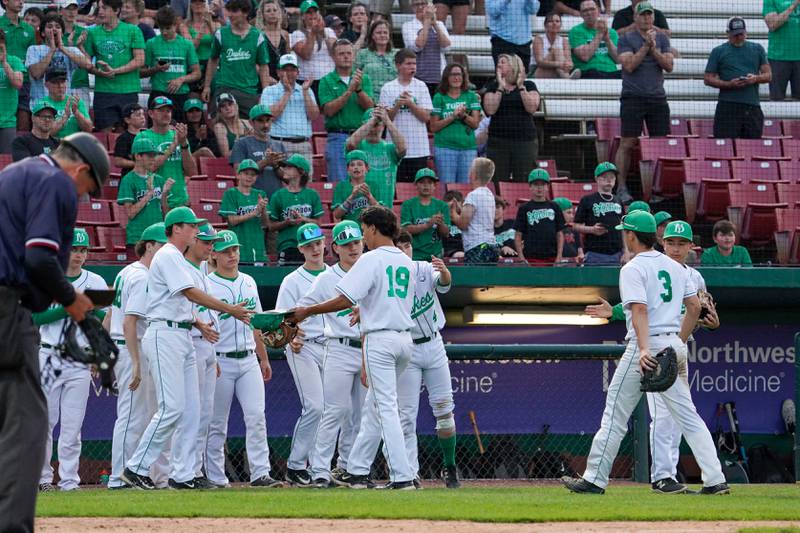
{"points": [[169, 275], [321, 61], [481, 226], [234, 335], [382, 284], [335, 325], [51, 333], [414, 130], [131, 299], [204, 314], [293, 288], [427, 311], [662, 284]]}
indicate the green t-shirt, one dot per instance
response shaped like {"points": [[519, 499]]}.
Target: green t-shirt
{"points": [[80, 78], [179, 53], [71, 125], [428, 242], [382, 175], [456, 135], [172, 167], [331, 87], [739, 256], [9, 94], [131, 189], [600, 61], [250, 232], [731, 62], [379, 68], [18, 39], [783, 42], [341, 193], [204, 46], [238, 57], [283, 204], [116, 48]]}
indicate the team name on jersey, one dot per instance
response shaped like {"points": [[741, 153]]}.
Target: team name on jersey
{"points": [[601, 208], [176, 64], [360, 202], [111, 47], [537, 215], [504, 236], [378, 160], [176, 155], [303, 210], [237, 55], [156, 194], [245, 209], [422, 304], [250, 303]]}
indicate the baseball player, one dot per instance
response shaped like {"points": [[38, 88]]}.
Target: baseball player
{"points": [[341, 374], [305, 353], [428, 363], [652, 287], [68, 392], [136, 401], [204, 335], [665, 434], [244, 368], [167, 344], [382, 286]]}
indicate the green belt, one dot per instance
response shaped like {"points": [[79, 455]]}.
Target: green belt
{"points": [[181, 325], [349, 342], [234, 355], [119, 342], [48, 346], [423, 340]]}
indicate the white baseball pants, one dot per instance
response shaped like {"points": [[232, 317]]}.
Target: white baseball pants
{"points": [[624, 394], [386, 355], [207, 381], [665, 434], [351, 425], [243, 378], [306, 369]]}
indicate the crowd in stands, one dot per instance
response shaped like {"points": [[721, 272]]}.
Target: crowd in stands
{"points": [[252, 83]]}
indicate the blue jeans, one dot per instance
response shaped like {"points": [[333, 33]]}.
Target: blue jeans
{"points": [[453, 165], [598, 259], [334, 154]]}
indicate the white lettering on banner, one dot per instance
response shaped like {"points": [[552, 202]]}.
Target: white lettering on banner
{"points": [[740, 353], [730, 381], [471, 384]]}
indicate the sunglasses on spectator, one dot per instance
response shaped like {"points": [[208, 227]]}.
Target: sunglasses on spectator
{"points": [[311, 233]]}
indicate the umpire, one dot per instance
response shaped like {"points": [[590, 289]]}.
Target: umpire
{"points": [[38, 206]]}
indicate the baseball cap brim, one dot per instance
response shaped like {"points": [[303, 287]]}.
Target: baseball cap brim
{"points": [[220, 245]]}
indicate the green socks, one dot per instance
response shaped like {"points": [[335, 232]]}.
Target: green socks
{"points": [[448, 445]]}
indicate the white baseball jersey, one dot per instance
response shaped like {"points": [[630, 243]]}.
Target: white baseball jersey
{"points": [[427, 311], [51, 333], [382, 284], [293, 288], [204, 314], [234, 335], [131, 299], [169, 275], [335, 325], [654, 279]]}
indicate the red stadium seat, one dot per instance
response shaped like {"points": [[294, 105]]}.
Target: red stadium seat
{"points": [[791, 148], [608, 130], [696, 172], [209, 210], [5, 160], [678, 127], [111, 239], [791, 128], [318, 143], [327, 214], [215, 166], [662, 162], [324, 189], [752, 211], [101, 136], [396, 210], [788, 193], [702, 148], [787, 235], [701, 127], [573, 191], [755, 171], [95, 213], [120, 213], [772, 128], [108, 257], [112, 141], [758, 148], [551, 167], [110, 189], [514, 193], [318, 124], [205, 190], [320, 167]]}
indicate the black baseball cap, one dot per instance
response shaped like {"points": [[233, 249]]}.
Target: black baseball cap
{"points": [[736, 26], [130, 109], [55, 75]]}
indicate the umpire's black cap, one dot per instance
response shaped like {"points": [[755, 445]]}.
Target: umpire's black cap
{"points": [[93, 153]]}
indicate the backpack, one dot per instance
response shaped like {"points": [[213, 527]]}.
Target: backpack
{"points": [[765, 467]]}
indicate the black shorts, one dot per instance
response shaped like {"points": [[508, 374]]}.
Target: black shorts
{"points": [[600, 75], [733, 120], [108, 108], [23, 101], [452, 3], [635, 110]]}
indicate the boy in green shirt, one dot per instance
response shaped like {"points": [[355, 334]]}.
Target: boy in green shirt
{"points": [[426, 218], [12, 71], [245, 210], [72, 115], [143, 193], [353, 196], [293, 206], [725, 253]]}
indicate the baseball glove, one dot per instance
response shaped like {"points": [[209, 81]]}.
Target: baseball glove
{"points": [[102, 352], [281, 336], [706, 303], [665, 373]]}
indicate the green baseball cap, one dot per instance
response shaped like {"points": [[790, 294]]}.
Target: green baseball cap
{"points": [[642, 7], [298, 161], [538, 174], [563, 203], [639, 205], [207, 233], [640, 221], [346, 231], [193, 103], [606, 166], [661, 217], [288, 59], [356, 155], [154, 232], [308, 4], [143, 145], [159, 102], [225, 239], [425, 173], [308, 233], [80, 239], [679, 228], [41, 105], [182, 215], [247, 164], [259, 110]]}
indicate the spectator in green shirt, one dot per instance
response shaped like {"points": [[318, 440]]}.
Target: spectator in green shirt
{"points": [[19, 37], [783, 21], [72, 115], [726, 252], [426, 218], [75, 35], [12, 70], [245, 210], [171, 60], [353, 196], [594, 45]]}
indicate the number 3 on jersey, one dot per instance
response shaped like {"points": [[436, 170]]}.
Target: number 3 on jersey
{"points": [[666, 282], [398, 281]]}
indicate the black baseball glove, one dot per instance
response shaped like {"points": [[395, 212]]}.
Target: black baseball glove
{"points": [[102, 352], [664, 375]]}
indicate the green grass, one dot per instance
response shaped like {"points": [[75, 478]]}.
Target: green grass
{"points": [[529, 504], [770, 530]]}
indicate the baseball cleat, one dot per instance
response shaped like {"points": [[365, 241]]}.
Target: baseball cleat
{"points": [[721, 488], [581, 486], [338, 471], [322, 483], [203, 483], [450, 477], [136, 481], [401, 485], [266, 482], [119, 487], [669, 486], [46, 487], [354, 482], [181, 485], [418, 483], [298, 478]]}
